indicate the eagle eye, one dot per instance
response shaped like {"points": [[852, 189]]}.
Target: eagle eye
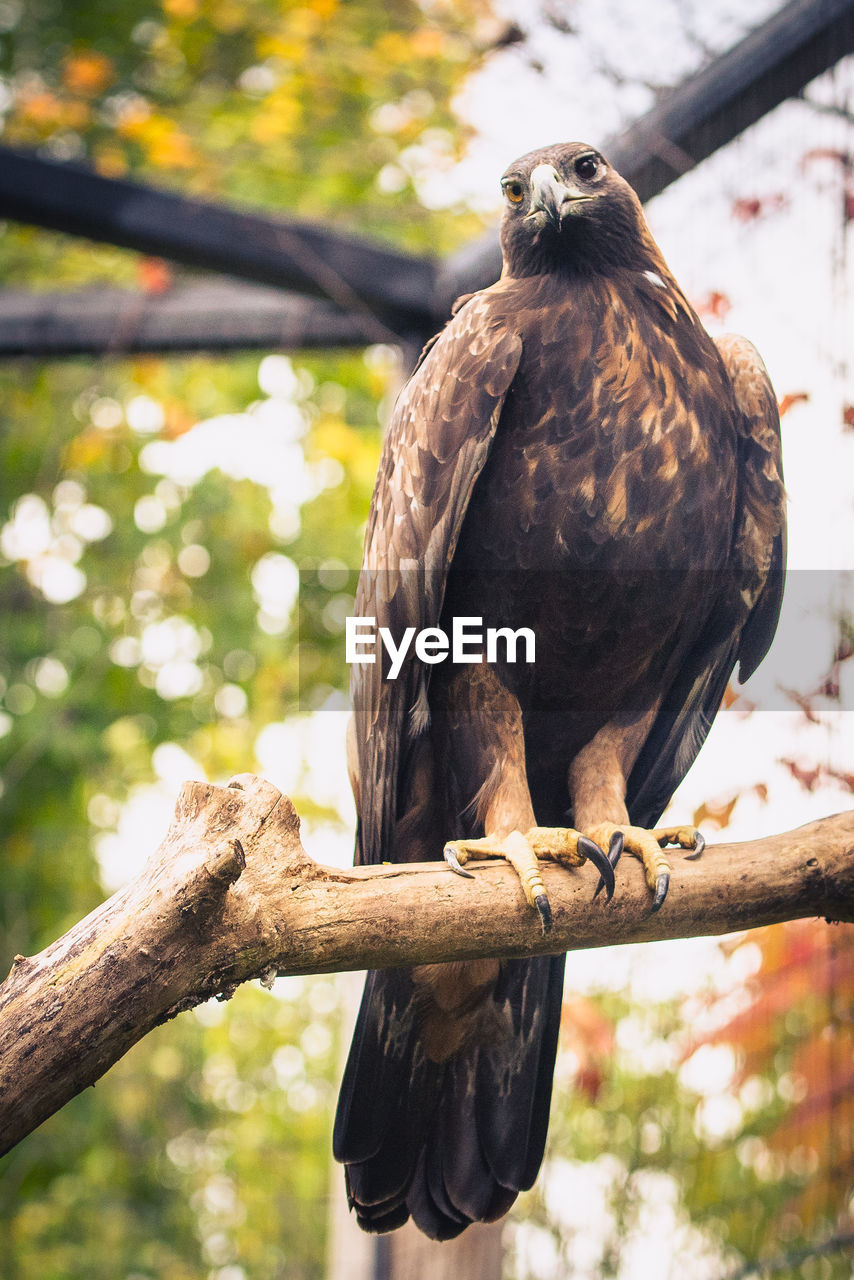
{"points": [[514, 190], [587, 167]]}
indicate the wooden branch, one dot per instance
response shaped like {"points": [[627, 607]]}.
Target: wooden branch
{"points": [[231, 894]]}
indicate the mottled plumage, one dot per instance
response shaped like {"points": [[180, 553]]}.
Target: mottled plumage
{"points": [[573, 454]]}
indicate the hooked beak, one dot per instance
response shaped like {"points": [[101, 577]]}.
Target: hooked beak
{"points": [[551, 196]]}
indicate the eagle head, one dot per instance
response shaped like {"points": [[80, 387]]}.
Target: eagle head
{"points": [[566, 207]]}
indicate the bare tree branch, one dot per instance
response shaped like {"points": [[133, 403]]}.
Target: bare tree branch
{"points": [[231, 895]]}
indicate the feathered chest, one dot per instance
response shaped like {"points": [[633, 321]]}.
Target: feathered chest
{"points": [[616, 445]]}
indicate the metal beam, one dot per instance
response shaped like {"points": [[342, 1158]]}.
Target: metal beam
{"points": [[216, 315], [703, 113], [356, 273]]}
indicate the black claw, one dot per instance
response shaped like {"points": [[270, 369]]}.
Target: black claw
{"points": [[661, 886], [615, 848], [699, 846], [453, 862], [594, 854], [543, 905]]}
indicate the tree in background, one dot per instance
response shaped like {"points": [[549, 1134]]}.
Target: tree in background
{"points": [[148, 580]]}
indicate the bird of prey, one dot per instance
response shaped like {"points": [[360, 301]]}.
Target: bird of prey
{"points": [[575, 455]]}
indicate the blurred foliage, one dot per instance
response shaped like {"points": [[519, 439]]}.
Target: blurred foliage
{"points": [[152, 516], [722, 1123], [203, 1150], [315, 107]]}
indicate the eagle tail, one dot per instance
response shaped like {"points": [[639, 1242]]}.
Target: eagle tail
{"points": [[454, 1142]]}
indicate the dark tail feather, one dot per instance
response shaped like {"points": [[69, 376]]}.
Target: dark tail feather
{"points": [[379, 1128], [450, 1143]]}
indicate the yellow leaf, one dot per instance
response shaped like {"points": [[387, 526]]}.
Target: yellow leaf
{"points": [[110, 161], [85, 449], [429, 42], [392, 47], [184, 10], [228, 16]]}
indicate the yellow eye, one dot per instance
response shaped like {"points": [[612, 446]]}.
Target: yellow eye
{"points": [[514, 190]]}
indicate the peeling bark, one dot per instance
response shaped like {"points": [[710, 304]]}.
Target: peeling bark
{"points": [[231, 895]]}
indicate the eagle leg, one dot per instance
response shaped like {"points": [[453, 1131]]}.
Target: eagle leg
{"points": [[562, 844], [571, 848]]}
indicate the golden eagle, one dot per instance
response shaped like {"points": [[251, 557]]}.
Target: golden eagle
{"points": [[573, 455]]}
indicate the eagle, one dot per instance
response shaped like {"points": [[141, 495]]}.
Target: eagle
{"points": [[574, 455]]}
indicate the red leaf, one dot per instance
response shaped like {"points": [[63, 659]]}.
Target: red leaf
{"points": [[154, 275], [808, 778], [804, 702], [746, 210], [847, 779], [714, 304], [749, 208]]}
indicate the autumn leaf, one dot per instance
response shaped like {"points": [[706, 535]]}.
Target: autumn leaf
{"points": [[589, 1036], [847, 779], [792, 398], [803, 702], [154, 275], [748, 209], [87, 72], [714, 304], [808, 778], [715, 815]]}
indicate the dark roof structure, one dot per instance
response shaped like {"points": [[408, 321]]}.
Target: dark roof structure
{"points": [[293, 284]]}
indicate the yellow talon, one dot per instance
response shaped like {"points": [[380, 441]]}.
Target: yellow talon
{"points": [[558, 843], [521, 856], [561, 844], [685, 837]]}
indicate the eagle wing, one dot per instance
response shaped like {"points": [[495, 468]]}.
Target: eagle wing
{"points": [[742, 627], [437, 443]]}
